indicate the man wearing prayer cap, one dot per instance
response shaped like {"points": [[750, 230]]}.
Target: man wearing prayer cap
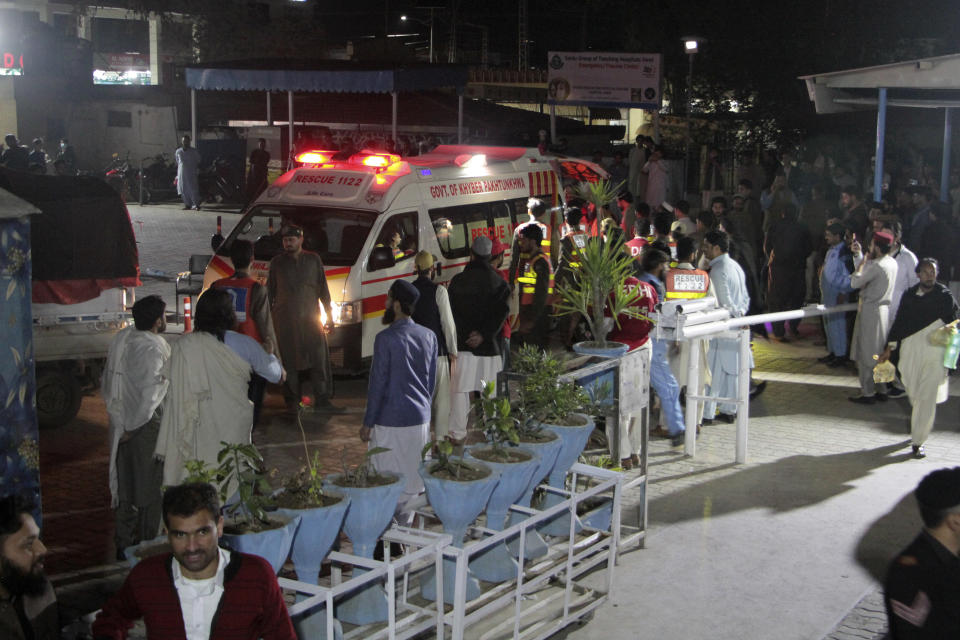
{"points": [[922, 589], [875, 277], [402, 380]]}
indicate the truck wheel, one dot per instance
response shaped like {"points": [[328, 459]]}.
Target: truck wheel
{"points": [[58, 398]]}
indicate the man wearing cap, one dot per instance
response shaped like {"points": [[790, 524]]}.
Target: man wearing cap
{"points": [[536, 291], [922, 589], [433, 312], [925, 308], [295, 284], [480, 301], [400, 391], [874, 278], [536, 208]]}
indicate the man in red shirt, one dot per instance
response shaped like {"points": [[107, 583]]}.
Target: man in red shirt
{"points": [[200, 589], [633, 331]]}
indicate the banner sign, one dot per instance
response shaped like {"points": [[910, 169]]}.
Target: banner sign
{"points": [[604, 79]]}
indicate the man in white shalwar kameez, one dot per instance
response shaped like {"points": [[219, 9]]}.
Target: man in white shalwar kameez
{"points": [[875, 277], [133, 387], [188, 175], [730, 287], [924, 308]]}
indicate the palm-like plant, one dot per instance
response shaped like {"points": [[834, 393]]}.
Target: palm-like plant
{"points": [[598, 286], [599, 193]]}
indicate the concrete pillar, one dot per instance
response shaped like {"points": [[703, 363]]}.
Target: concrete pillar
{"points": [[881, 137], [945, 166]]}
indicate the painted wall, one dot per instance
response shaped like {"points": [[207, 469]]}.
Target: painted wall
{"points": [[19, 436]]}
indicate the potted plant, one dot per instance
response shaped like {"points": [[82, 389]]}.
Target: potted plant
{"points": [[373, 501], [248, 528], [554, 406], [321, 515], [516, 467], [596, 290], [458, 491]]}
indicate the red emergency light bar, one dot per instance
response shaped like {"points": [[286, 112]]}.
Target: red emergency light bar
{"points": [[376, 159], [315, 156]]}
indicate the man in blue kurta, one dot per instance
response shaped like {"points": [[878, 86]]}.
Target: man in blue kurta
{"points": [[400, 392], [835, 289]]}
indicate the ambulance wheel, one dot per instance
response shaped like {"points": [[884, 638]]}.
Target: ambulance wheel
{"points": [[58, 397]]}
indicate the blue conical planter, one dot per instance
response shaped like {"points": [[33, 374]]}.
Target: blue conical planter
{"points": [[573, 440], [534, 546], [496, 564], [318, 530], [371, 510], [457, 504], [272, 545]]}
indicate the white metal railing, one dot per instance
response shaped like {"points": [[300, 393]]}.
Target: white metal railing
{"points": [[730, 328]]}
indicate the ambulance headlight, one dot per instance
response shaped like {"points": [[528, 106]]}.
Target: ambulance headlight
{"points": [[346, 312]]}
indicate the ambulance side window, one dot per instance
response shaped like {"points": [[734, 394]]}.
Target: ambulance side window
{"points": [[399, 233], [456, 227]]}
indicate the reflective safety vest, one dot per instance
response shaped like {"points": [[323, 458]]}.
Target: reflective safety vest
{"points": [[528, 281], [241, 292], [687, 283], [578, 240]]}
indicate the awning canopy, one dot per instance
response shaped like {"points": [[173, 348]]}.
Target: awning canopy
{"points": [[327, 76], [929, 83]]}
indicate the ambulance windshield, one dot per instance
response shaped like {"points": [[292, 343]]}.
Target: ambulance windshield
{"points": [[336, 234]]}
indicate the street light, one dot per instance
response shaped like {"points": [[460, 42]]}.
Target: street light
{"points": [[404, 18], [691, 45]]}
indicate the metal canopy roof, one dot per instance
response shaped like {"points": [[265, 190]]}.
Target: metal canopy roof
{"points": [[925, 83], [327, 76]]}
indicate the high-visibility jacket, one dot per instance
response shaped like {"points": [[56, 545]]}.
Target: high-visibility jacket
{"points": [[687, 283], [241, 291], [576, 241], [528, 281]]}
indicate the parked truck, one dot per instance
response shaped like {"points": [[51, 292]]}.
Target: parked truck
{"points": [[85, 268]]}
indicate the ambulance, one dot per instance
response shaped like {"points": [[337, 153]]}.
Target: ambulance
{"points": [[367, 214]]}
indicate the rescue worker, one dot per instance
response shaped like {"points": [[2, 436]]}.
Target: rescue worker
{"points": [[685, 281], [536, 208], [536, 290], [252, 306], [572, 242]]}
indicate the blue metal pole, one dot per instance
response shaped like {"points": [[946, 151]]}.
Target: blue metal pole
{"points": [[945, 167], [881, 135]]}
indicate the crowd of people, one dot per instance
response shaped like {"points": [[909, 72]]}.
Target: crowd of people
{"points": [[35, 159]]}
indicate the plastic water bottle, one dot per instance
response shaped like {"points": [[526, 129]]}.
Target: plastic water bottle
{"points": [[952, 351]]}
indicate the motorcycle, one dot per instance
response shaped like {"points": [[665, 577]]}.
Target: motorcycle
{"points": [[217, 183], [157, 179], [121, 176]]}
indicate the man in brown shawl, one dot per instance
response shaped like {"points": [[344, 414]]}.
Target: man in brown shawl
{"points": [[295, 284]]}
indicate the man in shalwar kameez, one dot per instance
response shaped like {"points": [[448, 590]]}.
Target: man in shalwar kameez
{"points": [[294, 286], [875, 277], [924, 308], [730, 286], [188, 175], [834, 289]]}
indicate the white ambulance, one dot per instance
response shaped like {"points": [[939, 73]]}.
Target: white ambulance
{"points": [[368, 214]]}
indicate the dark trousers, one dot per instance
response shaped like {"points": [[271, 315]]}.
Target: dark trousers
{"points": [[140, 477], [256, 389]]}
